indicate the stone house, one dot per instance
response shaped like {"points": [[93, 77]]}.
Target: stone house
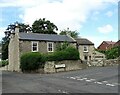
{"points": [[44, 43], [32, 42], [87, 50]]}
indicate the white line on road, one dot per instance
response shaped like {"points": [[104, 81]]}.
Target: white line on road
{"points": [[62, 91], [84, 78], [110, 84], [72, 78], [99, 82]]}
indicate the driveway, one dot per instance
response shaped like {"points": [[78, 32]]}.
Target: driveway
{"points": [[91, 80]]}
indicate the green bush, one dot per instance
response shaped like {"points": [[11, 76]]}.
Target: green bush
{"points": [[69, 53], [3, 63], [113, 53], [31, 61]]}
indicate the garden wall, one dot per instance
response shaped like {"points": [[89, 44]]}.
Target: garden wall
{"points": [[105, 62], [53, 66]]}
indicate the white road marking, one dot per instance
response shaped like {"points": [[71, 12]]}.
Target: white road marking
{"points": [[62, 91], [72, 78], [84, 78], [99, 82], [89, 80], [110, 84], [92, 80]]}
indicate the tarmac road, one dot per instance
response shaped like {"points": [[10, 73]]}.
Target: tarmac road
{"points": [[90, 80]]}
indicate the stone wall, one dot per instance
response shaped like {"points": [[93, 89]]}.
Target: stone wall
{"points": [[69, 65], [104, 62]]}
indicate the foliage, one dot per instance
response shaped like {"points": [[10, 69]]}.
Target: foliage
{"points": [[5, 40], [62, 46], [102, 51], [73, 34], [5, 43], [3, 63], [44, 26], [31, 61], [70, 53], [22, 28], [113, 53]]}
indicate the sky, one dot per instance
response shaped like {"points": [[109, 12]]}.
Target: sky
{"points": [[96, 20]]}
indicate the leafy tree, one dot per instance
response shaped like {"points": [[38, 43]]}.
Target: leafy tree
{"points": [[22, 28], [73, 34], [5, 40], [44, 26], [5, 43]]}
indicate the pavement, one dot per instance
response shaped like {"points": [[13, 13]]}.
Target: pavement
{"points": [[90, 80]]}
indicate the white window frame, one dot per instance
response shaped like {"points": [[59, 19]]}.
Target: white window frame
{"points": [[84, 48], [50, 47], [33, 46]]}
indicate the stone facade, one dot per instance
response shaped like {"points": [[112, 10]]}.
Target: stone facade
{"points": [[104, 62], [89, 54], [69, 66], [14, 57], [17, 47], [26, 46]]}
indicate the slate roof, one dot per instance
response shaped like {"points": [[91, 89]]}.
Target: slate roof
{"points": [[84, 41], [45, 37]]}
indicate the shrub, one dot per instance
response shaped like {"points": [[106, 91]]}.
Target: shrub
{"points": [[113, 53], [3, 63], [69, 53], [31, 61]]}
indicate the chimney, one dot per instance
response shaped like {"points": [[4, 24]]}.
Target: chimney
{"points": [[16, 28]]}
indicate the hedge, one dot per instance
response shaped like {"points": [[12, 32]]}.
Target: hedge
{"points": [[69, 53], [31, 61]]}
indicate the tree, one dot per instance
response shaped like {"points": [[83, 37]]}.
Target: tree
{"points": [[22, 28], [5, 43], [5, 40], [44, 26], [73, 34]]}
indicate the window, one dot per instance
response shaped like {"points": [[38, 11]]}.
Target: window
{"points": [[50, 46], [85, 49], [85, 58], [34, 46]]}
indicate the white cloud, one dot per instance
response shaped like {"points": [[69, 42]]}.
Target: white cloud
{"points": [[66, 13], [63, 13], [109, 13], [105, 29]]}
